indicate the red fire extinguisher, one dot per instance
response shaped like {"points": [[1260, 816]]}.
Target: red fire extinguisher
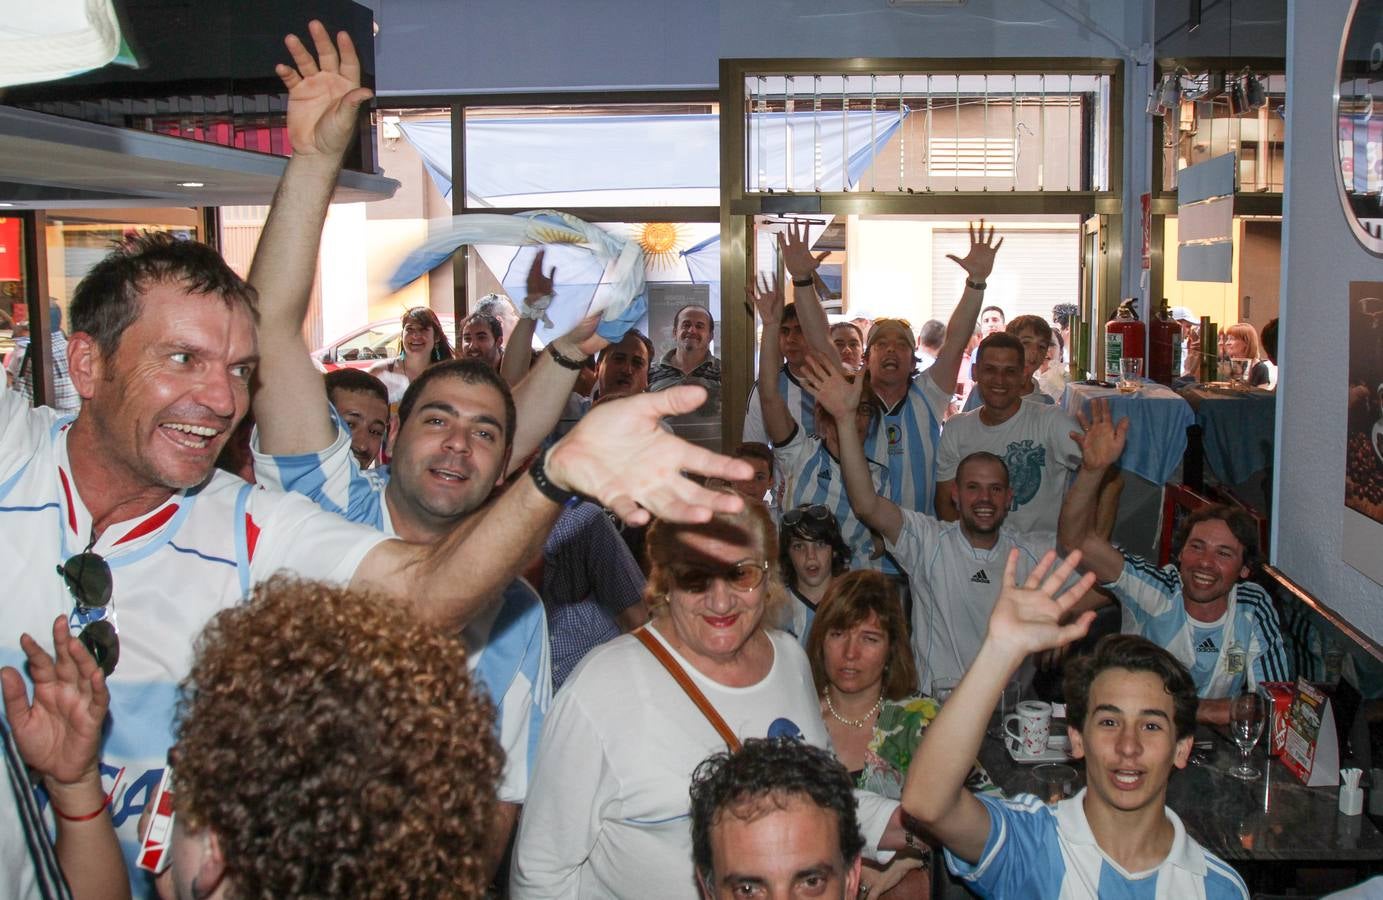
{"points": [[1123, 339], [1164, 346]]}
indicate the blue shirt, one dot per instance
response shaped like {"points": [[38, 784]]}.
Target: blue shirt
{"points": [[1038, 851], [906, 438]]}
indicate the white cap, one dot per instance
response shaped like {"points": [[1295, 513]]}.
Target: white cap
{"points": [[1184, 314]]}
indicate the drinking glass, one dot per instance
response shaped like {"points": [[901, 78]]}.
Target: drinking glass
{"points": [[1130, 375], [1246, 717], [1239, 373], [1008, 702]]}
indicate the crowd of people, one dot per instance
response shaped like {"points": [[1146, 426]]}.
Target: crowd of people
{"points": [[775, 667]]}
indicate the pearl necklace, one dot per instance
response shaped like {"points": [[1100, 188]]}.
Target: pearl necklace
{"points": [[853, 723]]}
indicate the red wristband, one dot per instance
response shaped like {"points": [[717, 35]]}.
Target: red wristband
{"points": [[86, 818]]}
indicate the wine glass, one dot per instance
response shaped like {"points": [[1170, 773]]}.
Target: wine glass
{"points": [[1246, 715]]}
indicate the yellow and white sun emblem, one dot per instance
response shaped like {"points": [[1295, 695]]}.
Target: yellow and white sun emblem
{"points": [[661, 242]]}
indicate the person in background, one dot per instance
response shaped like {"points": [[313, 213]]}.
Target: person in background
{"points": [[1051, 377], [1190, 342], [379, 707], [502, 308], [992, 321], [760, 456], [1063, 314], [849, 343], [1201, 607], [775, 818], [1241, 342], [1131, 718], [56, 734], [1269, 339], [362, 402], [424, 342], [801, 406], [929, 342], [861, 657], [810, 554], [65, 398], [16, 355], [482, 337]]}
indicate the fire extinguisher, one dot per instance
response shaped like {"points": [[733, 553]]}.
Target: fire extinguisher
{"points": [[1123, 339], [1164, 346]]}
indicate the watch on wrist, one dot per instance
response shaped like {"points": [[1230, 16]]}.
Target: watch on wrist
{"points": [[538, 472], [803, 282], [977, 285]]}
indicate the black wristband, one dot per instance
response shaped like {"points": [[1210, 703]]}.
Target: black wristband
{"points": [[804, 282], [545, 487], [566, 362], [977, 285]]}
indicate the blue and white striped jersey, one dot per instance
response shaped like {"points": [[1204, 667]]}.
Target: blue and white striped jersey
{"points": [[814, 476], [508, 643], [1037, 851], [801, 406], [1154, 607], [907, 437]]}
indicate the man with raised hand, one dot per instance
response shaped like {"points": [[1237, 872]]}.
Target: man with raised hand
{"points": [[1131, 716], [954, 569], [119, 521], [1219, 625], [914, 405]]}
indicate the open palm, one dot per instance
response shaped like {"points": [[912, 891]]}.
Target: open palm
{"points": [[324, 94], [979, 262]]}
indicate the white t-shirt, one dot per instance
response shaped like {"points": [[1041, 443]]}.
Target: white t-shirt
{"points": [[1035, 443], [609, 812], [172, 568], [954, 587]]}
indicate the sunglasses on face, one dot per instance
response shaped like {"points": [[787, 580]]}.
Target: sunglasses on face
{"points": [[88, 579], [744, 575], [815, 512]]}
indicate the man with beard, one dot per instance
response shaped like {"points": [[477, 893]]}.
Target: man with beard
{"points": [[955, 569], [1200, 607], [482, 338]]}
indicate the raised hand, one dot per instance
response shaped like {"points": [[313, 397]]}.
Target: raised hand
{"points": [[324, 94], [620, 455], [1027, 619], [797, 256], [59, 733], [538, 283], [767, 297], [840, 396], [583, 340], [1102, 442], [979, 262]]}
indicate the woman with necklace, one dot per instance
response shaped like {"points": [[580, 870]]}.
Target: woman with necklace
{"points": [[422, 343], [861, 659]]}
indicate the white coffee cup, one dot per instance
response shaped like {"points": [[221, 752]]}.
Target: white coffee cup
{"points": [[1034, 725]]}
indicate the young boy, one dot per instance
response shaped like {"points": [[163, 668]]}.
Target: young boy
{"points": [[1131, 710]]}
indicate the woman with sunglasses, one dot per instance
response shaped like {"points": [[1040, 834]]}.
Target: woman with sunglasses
{"points": [[423, 343], [862, 667], [811, 553], [608, 806]]}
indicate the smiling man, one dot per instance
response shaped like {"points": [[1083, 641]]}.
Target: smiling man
{"points": [[954, 569], [1033, 439], [1131, 711], [1221, 627], [482, 338], [776, 819], [362, 401], [690, 360]]}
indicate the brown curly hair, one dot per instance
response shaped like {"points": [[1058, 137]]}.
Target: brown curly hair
{"points": [[337, 748]]}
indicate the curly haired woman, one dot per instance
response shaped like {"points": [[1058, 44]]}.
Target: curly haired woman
{"points": [[330, 746]]}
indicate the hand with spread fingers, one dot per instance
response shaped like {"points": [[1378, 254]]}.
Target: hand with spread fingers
{"points": [[767, 298], [58, 733], [1102, 441], [797, 255], [620, 455], [840, 396], [324, 94], [979, 262], [1028, 618]]}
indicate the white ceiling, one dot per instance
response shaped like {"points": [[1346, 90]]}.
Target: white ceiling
{"points": [[48, 161]]}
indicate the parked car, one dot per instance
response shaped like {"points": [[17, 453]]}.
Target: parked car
{"points": [[367, 345]]}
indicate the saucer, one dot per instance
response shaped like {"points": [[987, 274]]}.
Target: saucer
{"points": [[1058, 750]]}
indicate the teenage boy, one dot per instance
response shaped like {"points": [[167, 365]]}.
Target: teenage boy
{"points": [[1131, 710]]}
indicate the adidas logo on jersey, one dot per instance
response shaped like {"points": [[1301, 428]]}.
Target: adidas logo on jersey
{"points": [[1207, 646], [979, 577]]}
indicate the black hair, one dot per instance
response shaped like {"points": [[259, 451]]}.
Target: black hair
{"points": [[107, 300], [824, 531], [1269, 340], [471, 371], [358, 380], [774, 771], [997, 309], [1136, 654], [1001, 340], [489, 321], [643, 339]]}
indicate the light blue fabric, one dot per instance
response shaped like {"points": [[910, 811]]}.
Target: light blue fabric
{"points": [[1157, 427], [1238, 431]]}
